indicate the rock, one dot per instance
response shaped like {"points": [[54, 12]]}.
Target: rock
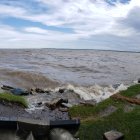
{"points": [[103, 94], [113, 135], [115, 86], [56, 103], [32, 89], [88, 102], [38, 90], [47, 91], [63, 109], [61, 90], [66, 105], [40, 103], [70, 90], [33, 93]]}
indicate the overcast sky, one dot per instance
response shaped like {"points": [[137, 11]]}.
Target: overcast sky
{"points": [[76, 24]]}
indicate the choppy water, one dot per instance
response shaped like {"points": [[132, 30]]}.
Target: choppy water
{"points": [[50, 67]]}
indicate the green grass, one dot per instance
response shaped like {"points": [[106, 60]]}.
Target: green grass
{"points": [[131, 91], [13, 99], [93, 126], [84, 111], [127, 123]]}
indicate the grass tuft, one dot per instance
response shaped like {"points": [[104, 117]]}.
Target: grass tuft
{"points": [[131, 91], [13, 99]]}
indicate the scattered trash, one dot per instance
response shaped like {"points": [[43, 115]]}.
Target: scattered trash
{"points": [[18, 91], [15, 91]]}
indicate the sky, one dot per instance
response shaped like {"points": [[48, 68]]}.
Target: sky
{"points": [[70, 24]]}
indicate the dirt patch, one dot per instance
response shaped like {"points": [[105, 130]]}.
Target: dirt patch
{"points": [[40, 114], [128, 99]]}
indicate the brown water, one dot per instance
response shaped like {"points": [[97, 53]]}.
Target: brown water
{"points": [[51, 67]]}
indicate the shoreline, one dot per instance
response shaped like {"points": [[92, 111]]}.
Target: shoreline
{"points": [[44, 114], [38, 100], [123, 51]]}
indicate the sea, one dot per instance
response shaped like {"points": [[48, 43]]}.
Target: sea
{"points": [[44, 68]]}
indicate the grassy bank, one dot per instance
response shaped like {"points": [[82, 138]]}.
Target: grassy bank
{"points": [[125, 118], [6, 97]]}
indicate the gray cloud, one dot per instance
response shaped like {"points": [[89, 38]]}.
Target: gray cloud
{"points": [[133, 19], [112, 42]]}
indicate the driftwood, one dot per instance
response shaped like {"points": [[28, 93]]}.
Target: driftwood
{"points": [[128, 99], [56, 103], [5, 87]]}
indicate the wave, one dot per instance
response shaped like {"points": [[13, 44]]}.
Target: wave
{"points": [[74, 94], [25, 79], [28, 80], [95, 92], [79, 68]]}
